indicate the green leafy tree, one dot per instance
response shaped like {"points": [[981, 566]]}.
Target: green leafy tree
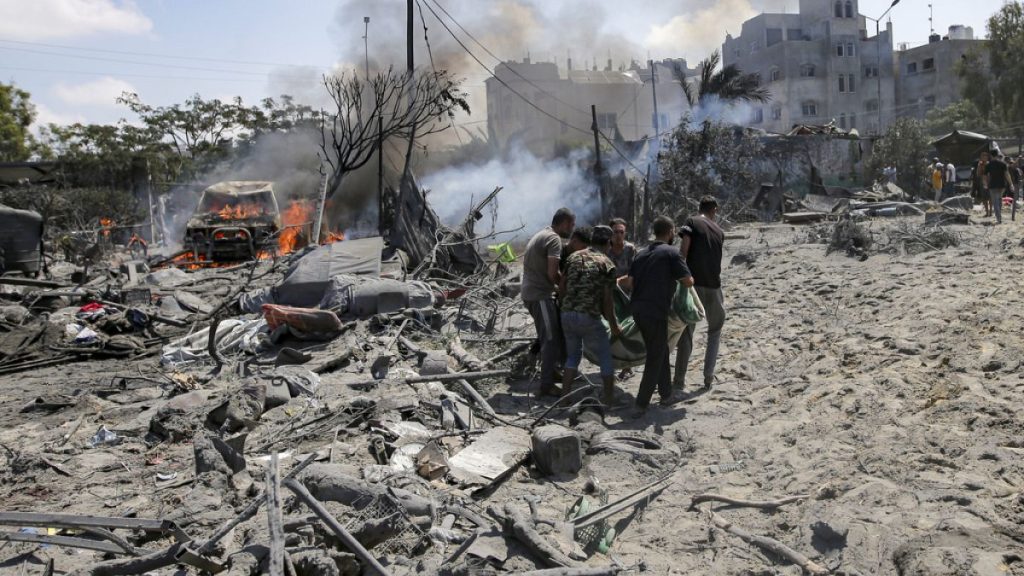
{"points": [[16, 116], [994, 88], [960, 115], [706, 158], [905, 147]]}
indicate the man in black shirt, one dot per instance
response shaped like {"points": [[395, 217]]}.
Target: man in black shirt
{"points": [[701, 247], [655, 273], [997, 180]]}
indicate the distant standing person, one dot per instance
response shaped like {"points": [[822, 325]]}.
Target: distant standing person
{"points": [[540, 277], [938, 174], [1017, 175], [978, 183], [620, 251], [586, 296], [997, 181], [655, 273], [950, 180], [701, 242]]}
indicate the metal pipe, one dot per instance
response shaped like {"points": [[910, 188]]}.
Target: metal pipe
{"points": [[350, 542]]}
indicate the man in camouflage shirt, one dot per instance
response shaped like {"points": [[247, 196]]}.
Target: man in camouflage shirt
{"points": [[587, 296]]}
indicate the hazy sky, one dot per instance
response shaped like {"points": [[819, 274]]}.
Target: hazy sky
{"points": [[76, 56]]}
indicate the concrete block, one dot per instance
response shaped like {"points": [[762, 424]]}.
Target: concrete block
{"points": [[557, 450], [434, 363]]}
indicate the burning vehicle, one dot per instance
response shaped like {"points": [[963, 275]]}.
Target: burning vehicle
{"points": [[235, 221]]}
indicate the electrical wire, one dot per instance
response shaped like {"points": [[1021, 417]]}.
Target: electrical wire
{"points": [[525, 99], [510, 68], [136, 62], [150, 54], [127, 75], [502, 82], [430, 53]]}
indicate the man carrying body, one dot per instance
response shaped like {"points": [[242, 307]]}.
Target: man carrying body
{"points": [[654, 275], [997, 180], [540, 277], [621, 252], [701, 240], [586, 296]]}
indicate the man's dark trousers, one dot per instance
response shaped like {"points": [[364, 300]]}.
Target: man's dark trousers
{"points": [[656, 369]]}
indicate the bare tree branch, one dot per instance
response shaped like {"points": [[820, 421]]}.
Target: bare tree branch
{"points": [[349, 136]]}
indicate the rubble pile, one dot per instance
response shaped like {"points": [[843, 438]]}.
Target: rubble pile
{"points": [[320, 413]]}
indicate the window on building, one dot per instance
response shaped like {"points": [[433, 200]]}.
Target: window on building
{"points": [[607, 121], [849, 9], [758, 116], [842, 120], [839, 9], [842, 84], [757, 79], [912, 68], [853, 120], [850, 86], [871, 71], [929, 102], [928, 64], [850, 50], [807, 71], [839, 50], [772, 36], [809, 108], [793, 34], [776, 74], [871, 105], [776, 112]]}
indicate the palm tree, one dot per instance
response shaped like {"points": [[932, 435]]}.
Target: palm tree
{"points": [[728, 85]]}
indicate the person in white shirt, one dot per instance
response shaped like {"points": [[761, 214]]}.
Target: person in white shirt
{"points": [[950, 179]]}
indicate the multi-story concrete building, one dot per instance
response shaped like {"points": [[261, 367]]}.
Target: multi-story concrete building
{"points": [[624, 99], [927, 75], [820, 65]]}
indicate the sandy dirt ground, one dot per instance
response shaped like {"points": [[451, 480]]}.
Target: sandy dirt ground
{"points": [[884, 391]]}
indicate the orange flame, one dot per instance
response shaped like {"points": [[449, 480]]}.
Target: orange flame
{"points": [[106, 224], [296, 219], [240, 211], [333, 237]]}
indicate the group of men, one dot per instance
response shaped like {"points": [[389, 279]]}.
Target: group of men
{"points": [[570, 274], [943, 178], [992, 177]]}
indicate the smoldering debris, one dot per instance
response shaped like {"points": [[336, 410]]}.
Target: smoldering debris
{"points": [[357, 408]]}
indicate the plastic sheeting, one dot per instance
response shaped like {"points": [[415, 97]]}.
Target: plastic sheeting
{"points": [[232, 336], [306, 283], [628, 349]]}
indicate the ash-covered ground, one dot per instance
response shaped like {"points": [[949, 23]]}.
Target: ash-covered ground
{"points": [[883, 391]]}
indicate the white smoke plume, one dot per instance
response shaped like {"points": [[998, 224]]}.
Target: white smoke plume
{"points": [[532, 190]]}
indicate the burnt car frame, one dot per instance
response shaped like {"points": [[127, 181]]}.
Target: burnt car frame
{"points": [[234, 221]]}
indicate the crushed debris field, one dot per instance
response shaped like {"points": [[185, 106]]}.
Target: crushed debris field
{"points": [[865, 421]]}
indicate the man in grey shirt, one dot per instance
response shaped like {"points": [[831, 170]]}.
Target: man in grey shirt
{"points": [[541, 276], [621, 252]]}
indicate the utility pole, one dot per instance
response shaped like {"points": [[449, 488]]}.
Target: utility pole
{"points": [[598, 169], [366, 44], [380, 175], [409, 29], [654, 92]]}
